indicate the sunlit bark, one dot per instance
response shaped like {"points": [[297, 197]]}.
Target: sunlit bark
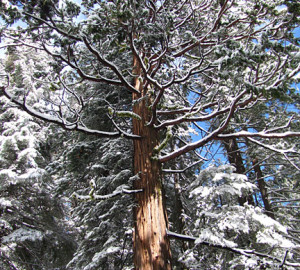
{"points": [[151, 244]]}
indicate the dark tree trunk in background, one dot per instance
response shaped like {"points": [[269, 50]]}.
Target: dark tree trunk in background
{"points": [[262, 188], [235, 159], [178, 206]]}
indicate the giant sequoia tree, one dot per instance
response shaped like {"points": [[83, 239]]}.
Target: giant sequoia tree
{"points": [[174, 65]]}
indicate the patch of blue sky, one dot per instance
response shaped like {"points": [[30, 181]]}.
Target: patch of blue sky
{"points": [[214, 152]]}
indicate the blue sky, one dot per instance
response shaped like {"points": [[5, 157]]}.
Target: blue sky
{"points": [[217, 152]]}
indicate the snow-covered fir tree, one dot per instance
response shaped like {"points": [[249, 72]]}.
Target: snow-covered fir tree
{"points": [[91, 168], [130, 81], [34, 234]]}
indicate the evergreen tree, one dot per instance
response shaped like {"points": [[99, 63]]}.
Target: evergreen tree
{"points": [[98, 167], [172, 64], [34, 233]]}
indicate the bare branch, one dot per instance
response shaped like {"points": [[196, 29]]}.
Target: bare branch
{"points": [[284, 259], [110, 65], [291, 162], [284, 201]]}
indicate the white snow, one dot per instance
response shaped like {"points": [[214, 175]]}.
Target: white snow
{"points": [[208, 236], [5, 203], [23, 234], [100, 255]]}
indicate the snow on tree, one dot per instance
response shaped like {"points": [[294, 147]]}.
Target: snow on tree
{"points": [[33, 229], [96, 175], [174, 65], [220, 220]]}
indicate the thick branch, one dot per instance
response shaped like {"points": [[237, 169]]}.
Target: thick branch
{"points": [[62, 122], [213, 135]]}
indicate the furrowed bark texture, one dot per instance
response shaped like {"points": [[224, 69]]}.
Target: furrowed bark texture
{"points": [[151, 244]]}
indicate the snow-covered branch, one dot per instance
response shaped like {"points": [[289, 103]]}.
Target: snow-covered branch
{"points": [[184, 110], [250, 253], [267, 135], [191, 116], [264, 134], [211, 136], [80, 72], [53, 26], [92, 196], [110, 65], [181, 236], [182, 170], [62, 122]]}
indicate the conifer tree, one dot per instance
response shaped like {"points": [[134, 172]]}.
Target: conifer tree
{"points": [[230, 55], [34, 234]]}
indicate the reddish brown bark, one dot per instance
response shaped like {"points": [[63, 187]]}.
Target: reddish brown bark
{"points": [[151, 244]]}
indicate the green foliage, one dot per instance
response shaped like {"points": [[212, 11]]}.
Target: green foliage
{"points": [[207, 67], [33, 226]]}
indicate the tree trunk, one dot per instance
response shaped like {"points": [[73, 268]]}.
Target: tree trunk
{"points": [[235, 159], [262, 188], [151, 244], [178, 209]]}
